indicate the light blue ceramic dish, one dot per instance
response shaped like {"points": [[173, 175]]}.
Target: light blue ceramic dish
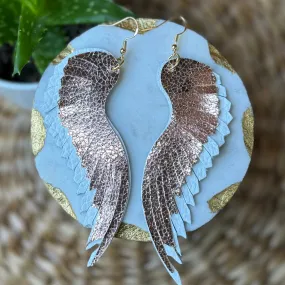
{"points": [[140, 112]]}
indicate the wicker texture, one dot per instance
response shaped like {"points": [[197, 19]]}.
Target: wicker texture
{"points": [[243, 245]]}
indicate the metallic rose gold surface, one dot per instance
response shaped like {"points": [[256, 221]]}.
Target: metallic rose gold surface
{"points": [[88, 80], [193, 94]]}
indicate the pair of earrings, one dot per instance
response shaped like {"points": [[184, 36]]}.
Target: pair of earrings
{"points": [[96, 153]]}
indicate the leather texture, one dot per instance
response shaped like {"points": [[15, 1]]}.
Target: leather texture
{"points": [[88, 80], [193, 93]]}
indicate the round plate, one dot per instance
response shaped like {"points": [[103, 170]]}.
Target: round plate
{"points": [[140, 113]]}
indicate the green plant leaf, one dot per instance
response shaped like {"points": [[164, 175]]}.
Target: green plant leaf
{"points": [[38, 15], [69, 12], [9, 21], [50, 46], [31, 30]]}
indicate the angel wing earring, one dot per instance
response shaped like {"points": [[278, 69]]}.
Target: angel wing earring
{"points": [[180, 157], [75, 116]]}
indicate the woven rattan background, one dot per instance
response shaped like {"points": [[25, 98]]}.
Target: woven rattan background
{"points": [[244, 244]]}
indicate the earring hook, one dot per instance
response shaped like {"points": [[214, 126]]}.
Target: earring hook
{"points": [[175, 55], [123, 50]]}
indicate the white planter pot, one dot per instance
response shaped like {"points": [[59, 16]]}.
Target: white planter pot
{"points": [[21, 94]]}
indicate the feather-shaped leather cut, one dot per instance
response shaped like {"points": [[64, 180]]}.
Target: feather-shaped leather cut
{"points": [[91, 146], [180, 157]]}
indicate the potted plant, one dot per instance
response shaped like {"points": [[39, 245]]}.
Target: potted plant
{"points": [[33, 32]]}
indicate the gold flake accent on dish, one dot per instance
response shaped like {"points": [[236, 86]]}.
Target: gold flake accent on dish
{"points": [[220, 200], [219, 59], [38, 132], [60, 197], [63, 54], [248, 130], [145, 25], [132, 232]]}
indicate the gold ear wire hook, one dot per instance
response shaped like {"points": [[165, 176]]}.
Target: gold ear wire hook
{"points": [[123, 50], [175, 55]]}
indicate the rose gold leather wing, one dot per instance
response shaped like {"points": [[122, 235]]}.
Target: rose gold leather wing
{"points": [[88, 80], [193, 92]]}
